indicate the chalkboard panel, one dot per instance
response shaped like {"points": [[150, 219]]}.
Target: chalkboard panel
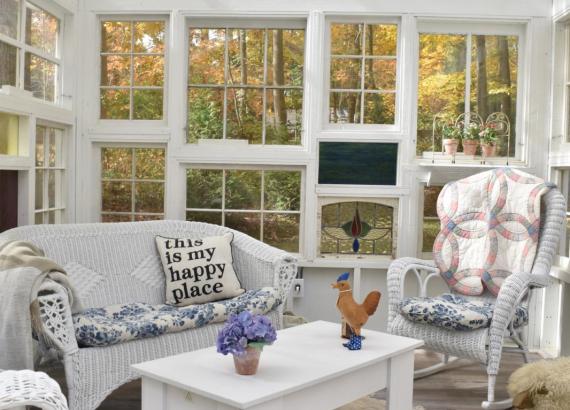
{"points": [[358, 163]]}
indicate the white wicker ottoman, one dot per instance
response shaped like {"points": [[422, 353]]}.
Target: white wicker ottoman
{"points": [[20, 388]]}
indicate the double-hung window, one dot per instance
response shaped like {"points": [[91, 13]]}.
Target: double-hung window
{"points": [[30, 56], [132, 69], [362, 77], [245, 81], [471, 68]]}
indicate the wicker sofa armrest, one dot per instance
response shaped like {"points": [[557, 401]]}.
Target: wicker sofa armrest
{"points": [[55, 317], [513, 290], [397, 272], [265, 265]]}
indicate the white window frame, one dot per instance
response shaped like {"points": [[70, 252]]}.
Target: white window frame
{"points": [[261, 211], [23, 48], [130, 122], [132, 180], [261, 23], [61, 175], [398, 115], [468, 28]]}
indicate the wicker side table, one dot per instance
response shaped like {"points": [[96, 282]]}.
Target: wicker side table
{"points": [[21, 388]]}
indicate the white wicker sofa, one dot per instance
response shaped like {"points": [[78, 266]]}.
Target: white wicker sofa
{"points": [[118, 263]]}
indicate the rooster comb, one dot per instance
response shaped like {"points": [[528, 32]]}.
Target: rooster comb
{"points": [[344, 276]]}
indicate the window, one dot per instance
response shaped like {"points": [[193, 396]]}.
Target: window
{"points": [[265, 204], [357, 228], [466, 73], [29, 38], [132, 70], [358, 163], [132, 184], [431, 223], [246, 83], [363, 59], [9, 134], [50, 175]]}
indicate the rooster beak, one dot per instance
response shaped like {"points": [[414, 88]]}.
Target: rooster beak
{"points": [[334, 285]]}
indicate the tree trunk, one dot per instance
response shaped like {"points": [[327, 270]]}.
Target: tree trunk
{"points": [[505, 75], [482, 93], [278, 79], [243, 56]]}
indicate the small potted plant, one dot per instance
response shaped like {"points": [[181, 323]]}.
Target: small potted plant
{"points": [[450, 136], [244, 336], [470, 138], [488, 137]]}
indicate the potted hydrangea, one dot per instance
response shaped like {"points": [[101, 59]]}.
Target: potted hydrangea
{"points": [[470, 138], [489, 138], [244, 336], [450, 136]]}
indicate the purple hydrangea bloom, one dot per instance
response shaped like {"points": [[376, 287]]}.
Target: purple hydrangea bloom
{"points": [[242, 329]]}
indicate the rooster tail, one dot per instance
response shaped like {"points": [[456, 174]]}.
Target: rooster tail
{"points": [[371, 302]]}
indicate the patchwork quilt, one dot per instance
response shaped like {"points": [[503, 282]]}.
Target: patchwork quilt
{"points": [[121, 323], [489, 229], [454, 312]]}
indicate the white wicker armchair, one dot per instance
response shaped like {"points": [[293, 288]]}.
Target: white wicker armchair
{"points": [[485, 344], [118, 263]]}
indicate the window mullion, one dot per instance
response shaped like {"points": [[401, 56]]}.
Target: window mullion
{"points": [[261, 213], [223, 197], [225, 103], [133, 182], [132, 75], [363, 57], [264, 88]]}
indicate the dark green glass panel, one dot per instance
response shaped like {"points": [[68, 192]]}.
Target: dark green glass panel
{"points": [[358, 163]]}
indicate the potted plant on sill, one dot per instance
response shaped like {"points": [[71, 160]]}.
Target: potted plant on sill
{"points": [[470, 138], [244, 336], [488, 137], [450, 135]]}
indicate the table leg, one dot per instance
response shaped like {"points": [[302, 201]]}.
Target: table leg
{"points": [[400, 387], [153, 394]]}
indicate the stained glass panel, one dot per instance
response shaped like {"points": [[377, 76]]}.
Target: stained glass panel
{"points": [[357, 228], [358, 163]]}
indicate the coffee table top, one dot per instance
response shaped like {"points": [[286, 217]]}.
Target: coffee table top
{"points": [[302, 356]]}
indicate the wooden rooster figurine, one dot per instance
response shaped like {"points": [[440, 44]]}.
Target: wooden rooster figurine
{"points": [[355, 314]]}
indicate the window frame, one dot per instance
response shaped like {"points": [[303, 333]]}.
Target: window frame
{"points": [[470, 27], [262, 22], [253, 167], [326, 87], [98, 169], [165, 83], [63, 166], [22, 48]]}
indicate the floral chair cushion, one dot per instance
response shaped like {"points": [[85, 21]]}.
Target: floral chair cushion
{"points": [[120, 323], [455, 312]]}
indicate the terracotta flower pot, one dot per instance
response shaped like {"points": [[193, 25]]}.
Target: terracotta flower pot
{"points": [[450, 146], [470, 147], [246, 364], [488, 150]]}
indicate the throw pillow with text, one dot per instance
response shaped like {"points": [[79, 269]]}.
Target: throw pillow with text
{"points": [[198, 270]]}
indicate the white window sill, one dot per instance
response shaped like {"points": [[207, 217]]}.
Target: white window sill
{"points": [[438, 159], [347, 262]]}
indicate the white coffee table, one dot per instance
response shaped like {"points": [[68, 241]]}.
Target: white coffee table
{"points": [[306, 368]]}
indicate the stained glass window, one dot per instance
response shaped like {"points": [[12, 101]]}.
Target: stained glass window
{"points": [[358, 163], [357, 228]]}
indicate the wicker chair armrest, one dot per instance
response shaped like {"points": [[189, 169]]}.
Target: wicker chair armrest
{"points": [[55, 316], [513, 290], [397, 272]]}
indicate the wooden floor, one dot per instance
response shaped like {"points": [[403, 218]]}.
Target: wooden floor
{"points": [[460, 388]]}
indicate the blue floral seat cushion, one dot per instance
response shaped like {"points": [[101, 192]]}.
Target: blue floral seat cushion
{"points": [[455, 312], [121, 323]]}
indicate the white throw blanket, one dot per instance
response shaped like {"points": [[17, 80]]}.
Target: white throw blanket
{"points": [[489, 229], [23, 269]]}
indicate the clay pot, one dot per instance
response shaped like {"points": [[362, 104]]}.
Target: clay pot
{"points": [[488, 150], [470, 147], [246, 364], [450, 146]]}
